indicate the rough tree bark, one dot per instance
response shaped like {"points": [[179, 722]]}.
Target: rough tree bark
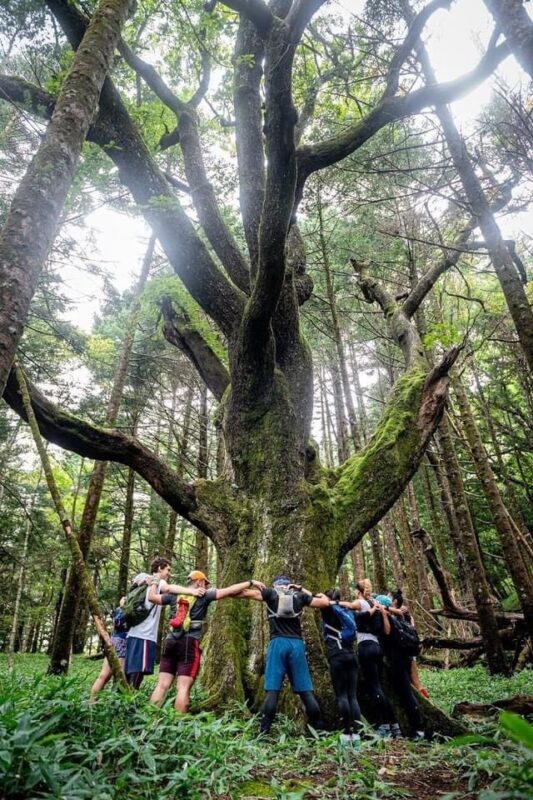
{"points": [[30, 227], [279, 511]]}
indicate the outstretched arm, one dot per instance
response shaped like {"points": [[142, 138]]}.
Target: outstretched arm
{"points": [[249, 594], [172, 588], [237, 589]]}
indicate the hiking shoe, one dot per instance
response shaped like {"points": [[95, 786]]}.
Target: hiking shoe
{"points": [[384, 732], [418, 736], [395, 730]]}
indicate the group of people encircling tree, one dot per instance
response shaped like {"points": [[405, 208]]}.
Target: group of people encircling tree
{"points": [[358, 635]]}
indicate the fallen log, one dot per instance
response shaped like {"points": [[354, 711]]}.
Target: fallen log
{"points": [[519, 704], [509, 638]]}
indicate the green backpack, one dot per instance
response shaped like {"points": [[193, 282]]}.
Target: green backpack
{"points": [[134, 608]]}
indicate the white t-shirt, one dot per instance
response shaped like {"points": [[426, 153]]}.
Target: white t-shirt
{"points": [[365, 637], [148, 628]]}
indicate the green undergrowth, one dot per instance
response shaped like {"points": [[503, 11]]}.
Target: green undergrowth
{"points": [[54, 744], [474, 684]]}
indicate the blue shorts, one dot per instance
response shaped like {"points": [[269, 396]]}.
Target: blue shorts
{"points": [[287, 657], [140, 656]]}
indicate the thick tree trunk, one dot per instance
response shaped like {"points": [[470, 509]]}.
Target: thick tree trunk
{"points": [[30, 227]]}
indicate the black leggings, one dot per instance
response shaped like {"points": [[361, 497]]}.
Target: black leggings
{"points": [[312, 709], [400, 672], [370, 659], [135, 679], [343, 668]]}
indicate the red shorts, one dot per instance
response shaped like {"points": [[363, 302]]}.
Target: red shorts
{"points": [[181, 656]]}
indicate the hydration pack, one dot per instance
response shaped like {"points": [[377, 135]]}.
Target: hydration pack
{"points": [[134, 609], [404, 637], [285, 608], [346, 632], [181, 622]]}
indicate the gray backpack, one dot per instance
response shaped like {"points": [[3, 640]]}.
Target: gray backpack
{"points": [[285, 608]]}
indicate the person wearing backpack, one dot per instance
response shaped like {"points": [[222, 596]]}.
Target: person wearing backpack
{"points": [[180, 654], [399, 647], [372, 622], [285, 602], [143, 607], [340, 634], [118, 640]]}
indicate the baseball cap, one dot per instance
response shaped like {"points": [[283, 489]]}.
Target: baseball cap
{"points": [[197, 575], [383, 600], [281, 580]]}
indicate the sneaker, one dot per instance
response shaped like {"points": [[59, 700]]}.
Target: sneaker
{"points": [[418, 736], [345, 740], [395, 730], [384, 731], [356, 741]]}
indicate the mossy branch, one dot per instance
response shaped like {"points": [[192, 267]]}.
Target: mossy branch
{"points": [[371, 481], [76, 554]]}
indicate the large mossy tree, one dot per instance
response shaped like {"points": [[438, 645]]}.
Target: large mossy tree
{"points": [[275, 509]]}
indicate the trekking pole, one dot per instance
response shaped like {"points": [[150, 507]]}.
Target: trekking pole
{"points": [[78, 561]]}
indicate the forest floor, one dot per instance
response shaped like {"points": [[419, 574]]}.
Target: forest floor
{"points": [[53, 744]]}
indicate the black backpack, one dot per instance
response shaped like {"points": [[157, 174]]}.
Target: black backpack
{"points": [[404, 637], [134, 608]]}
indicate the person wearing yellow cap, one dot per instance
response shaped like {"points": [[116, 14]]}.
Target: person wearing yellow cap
{"points": [[180, 654]]}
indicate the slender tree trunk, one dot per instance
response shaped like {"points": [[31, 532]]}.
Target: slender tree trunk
{"points": [[67, 619], [507, 533], [512, 286], [39, 199], [525, 535], [18, 596], [330, 288], [391, 545], [413, 589], [127, 530], [420, 564], [343, 447], [379, 578], [470, 550], [72, 542], [202, 554]]}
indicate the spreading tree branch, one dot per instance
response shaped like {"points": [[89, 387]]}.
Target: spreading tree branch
{"points": [[317, 156], [109, 444], [188, 255], [254, 10], [403, 51], [248, 72], [179, 331], [203, 194]]}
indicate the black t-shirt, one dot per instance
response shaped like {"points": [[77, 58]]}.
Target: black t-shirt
{"points": [[287, 627], [198, 614], [332, 641]]}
